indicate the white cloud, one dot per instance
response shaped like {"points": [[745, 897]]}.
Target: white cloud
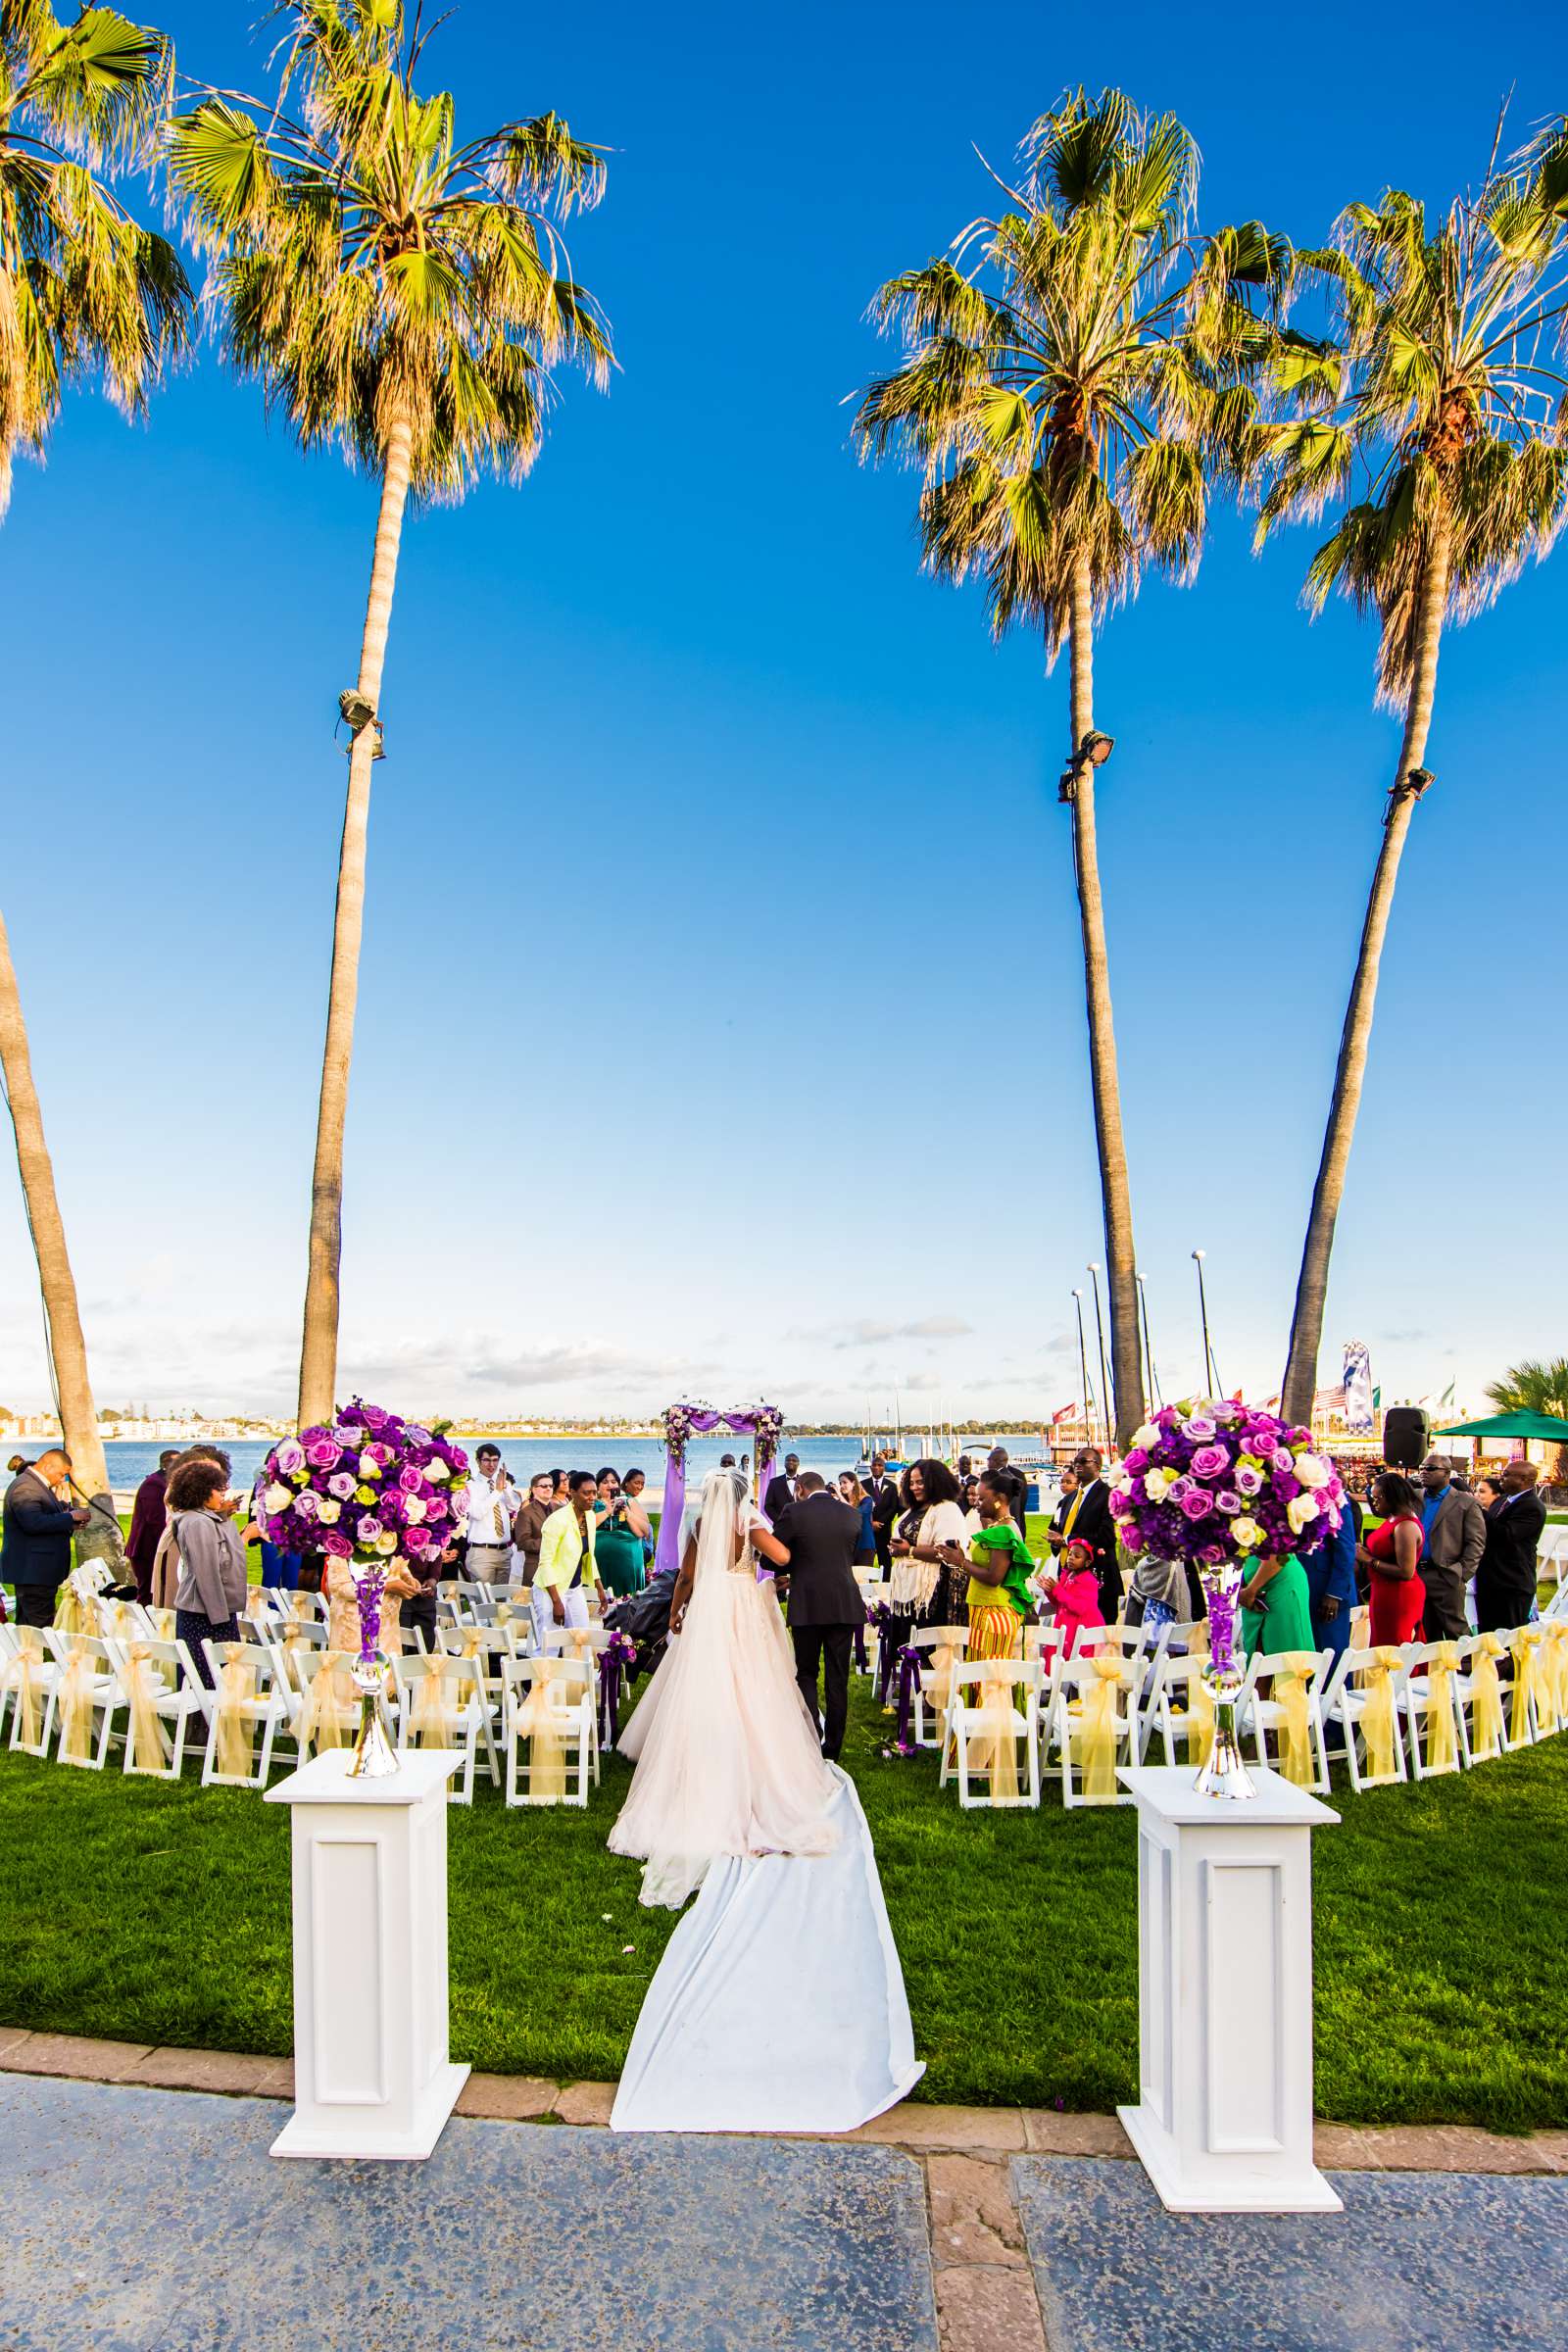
{"points": [[864, 1333]]}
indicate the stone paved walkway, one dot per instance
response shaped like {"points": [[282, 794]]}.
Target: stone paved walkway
{"points": [[146, 2220]]}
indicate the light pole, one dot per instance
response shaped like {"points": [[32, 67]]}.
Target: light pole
{"points": [[1210, 1376], [1154, 1396], [1083, 1369], [1105, 1396]]}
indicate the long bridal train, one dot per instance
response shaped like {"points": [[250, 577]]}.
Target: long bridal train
{"points": [[779, 2004]]}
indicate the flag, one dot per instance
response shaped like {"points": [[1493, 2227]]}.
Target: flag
{"points": [[1069, 1412], [1362, 1401]]}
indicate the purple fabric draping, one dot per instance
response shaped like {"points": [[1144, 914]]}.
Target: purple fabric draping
{"points": [[667, 1551]]}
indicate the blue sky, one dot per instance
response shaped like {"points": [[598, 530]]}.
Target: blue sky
{"points": [[720, 1020]]}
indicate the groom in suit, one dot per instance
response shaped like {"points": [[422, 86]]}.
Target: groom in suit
{"points": [[822, 1536]]}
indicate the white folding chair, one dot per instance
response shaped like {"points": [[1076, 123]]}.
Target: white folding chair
{"points": [[442, 1703], [1365, 1681], [28, 1672], [549, 1704], [1533, 1707], [83, 1701], [1092, 1693], [584, 1642], [250, 1692], [978, 1724], [1431, 1753], [329, 1701], [160, 1685], [1264, 1714], [1481, 1698], [948, 1644], [1170, 1713]]}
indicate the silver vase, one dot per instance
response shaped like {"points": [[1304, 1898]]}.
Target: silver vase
{"points": [[1224, 1774], [374, 1758]]}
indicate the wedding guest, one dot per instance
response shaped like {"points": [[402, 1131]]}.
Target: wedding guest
{"points": [[884, 1495], [999, 1568], [1489, 1494], [1072, 1595], [970, 1502], [167, 1569], [1392, 1556], [820, 1533], [632, 1487], [1088, 1517], [859, 1500], [932, 1517], [149, 1516], [528, 1527], [620, 1543], [417, 1609], [1014, 1484], [782, 1489], [1456, 1527], [39, 1524], [568, 1576], [558, 1480], [489, 1521], [1159, 1593], [1276, 1608], [1331, 1586], [211, 1590], [1505, 1581]]}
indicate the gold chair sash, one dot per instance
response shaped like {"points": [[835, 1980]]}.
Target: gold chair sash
{"points": [[935, 1684], [23, 1674], [1554, 1662], [1442, 1751], [1099, 1729], [162, 1622], [1486, 1698], [1376, 1676], [547, 1749], [329, 1691], [75, 1707], [993, 1750], [1291, 1670], [1529, 1683], [150, 1750], [437, 1718], [69, 1615], [236, 1718]]}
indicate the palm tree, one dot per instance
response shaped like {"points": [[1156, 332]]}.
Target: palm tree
{"points": [[85, 293], [1075, 373], [1434, 380], [1537, 1386], [401, 295]]}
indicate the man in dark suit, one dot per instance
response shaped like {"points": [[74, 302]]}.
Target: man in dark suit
{"points": [[821, 1534], [1456, 1536], [1505, 1581], [884, 1493], [1088, 1520], [38, 1526], [780, 1491]]}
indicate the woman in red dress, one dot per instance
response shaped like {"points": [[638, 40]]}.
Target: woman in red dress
{"points": [[1393, 1554]]}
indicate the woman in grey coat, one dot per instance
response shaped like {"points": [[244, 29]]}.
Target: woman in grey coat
{"points": [[211, 1590]]}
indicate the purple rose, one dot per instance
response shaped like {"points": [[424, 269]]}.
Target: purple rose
{"points": [[307, 1504], [289, 1458], [1250, 1481], [370, 1530], [342, 1483], [1228, 1502], [1136, 1460], [324, 1453], [1196, 1504], [1282, 1458], [416, 1435], [308, 1436], [1179, 1488], [1121, 1505], [337, 1544], [1211, 1461], [1200, 1427]]}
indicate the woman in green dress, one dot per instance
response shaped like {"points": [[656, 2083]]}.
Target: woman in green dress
{"points": [[619, 1543], [1277, 1607]]}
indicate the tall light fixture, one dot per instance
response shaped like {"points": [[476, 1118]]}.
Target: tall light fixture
{"points": [[1083, 1369], [1210, 1376], [1107, 1397]]}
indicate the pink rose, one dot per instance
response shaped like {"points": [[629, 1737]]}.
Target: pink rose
{"points": [[1212, 1555], [409, 1479], [324, 1453], [1137, 1460], [435, 1506], [1195, 1503], [1211, 1461], [337, 1544], [1120, 1505]]}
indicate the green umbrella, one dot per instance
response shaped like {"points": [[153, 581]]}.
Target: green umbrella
{"points": [[1510, 1425]]}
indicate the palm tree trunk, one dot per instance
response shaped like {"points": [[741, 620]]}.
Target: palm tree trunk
{"points": [[1311, 1288], [1120, 1261], [68, 1349], [318, 1346]]}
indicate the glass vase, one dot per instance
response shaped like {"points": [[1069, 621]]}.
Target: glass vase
{"points": [[1223, 1773], [374, 1756]]}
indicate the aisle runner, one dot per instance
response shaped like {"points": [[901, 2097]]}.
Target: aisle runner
{"points": [[779, 2004]]}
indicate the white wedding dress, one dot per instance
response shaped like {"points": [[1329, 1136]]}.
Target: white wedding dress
{"points": [[779, 2004]]}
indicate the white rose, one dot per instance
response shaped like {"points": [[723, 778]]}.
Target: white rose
{"points": [[387, 1542], [414, 1510], [369, 1467], [330, 1511], [1301, 1510], [1246, 1533], [1147, 1437], [436, 1471], [1155, 1484], [277, 1498], [1312, 1470]]}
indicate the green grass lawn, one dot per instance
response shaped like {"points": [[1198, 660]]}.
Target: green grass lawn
{"points": [[140, 1910]]}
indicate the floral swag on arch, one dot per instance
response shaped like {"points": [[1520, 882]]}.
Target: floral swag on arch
{"points": [[764, 1424]]}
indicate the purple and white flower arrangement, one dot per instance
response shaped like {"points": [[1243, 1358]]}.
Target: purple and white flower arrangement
{"points": [[366, 1487], [1219, 1483]]}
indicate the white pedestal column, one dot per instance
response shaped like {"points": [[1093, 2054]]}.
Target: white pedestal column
{"points": [[1224, 2123], [371, 2074]]}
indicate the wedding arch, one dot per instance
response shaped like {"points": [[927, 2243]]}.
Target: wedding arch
{"points": [[764, 1424]]}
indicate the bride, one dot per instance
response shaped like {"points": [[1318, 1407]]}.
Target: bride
{"points": [[728, 1760]]}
